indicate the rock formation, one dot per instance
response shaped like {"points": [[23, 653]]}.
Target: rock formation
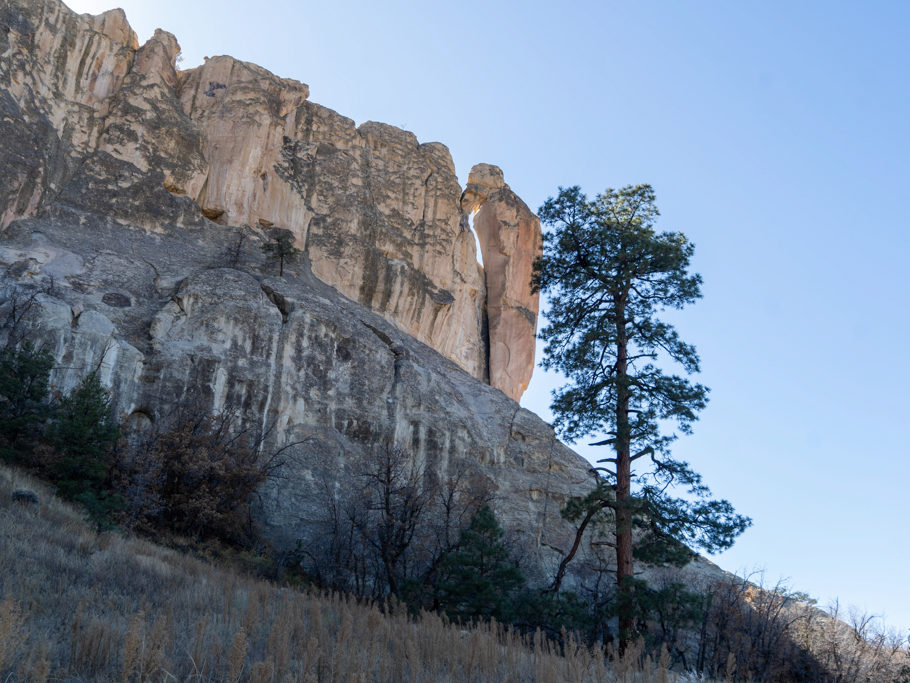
{"points": [[377, 214], [510, 240], [133, 202], [134, 199]]}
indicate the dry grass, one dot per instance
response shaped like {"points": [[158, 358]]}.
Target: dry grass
{"points": [[76, 605]]}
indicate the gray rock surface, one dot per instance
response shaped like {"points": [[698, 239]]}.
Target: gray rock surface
{"points": [[300, 360]]}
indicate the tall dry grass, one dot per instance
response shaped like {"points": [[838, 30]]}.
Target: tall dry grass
{"points": [[81, 606]]}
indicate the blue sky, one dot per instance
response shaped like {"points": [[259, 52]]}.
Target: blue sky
{"points": [[776, 137]]}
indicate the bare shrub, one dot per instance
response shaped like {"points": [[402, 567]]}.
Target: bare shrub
{"points": [[388, 529], [192, 473], [852, 645], [749, 633], [753, 632]]}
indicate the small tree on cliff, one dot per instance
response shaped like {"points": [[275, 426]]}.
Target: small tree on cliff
{"points": [[281, 247], [83, 433], [608, 274]]}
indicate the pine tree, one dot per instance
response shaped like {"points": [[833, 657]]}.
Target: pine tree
{"points": [[478, 581], [24, 374], [281, 247], [608, 275], [83, 433]]}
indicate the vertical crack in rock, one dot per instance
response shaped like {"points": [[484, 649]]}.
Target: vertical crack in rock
{"points": [[274, 379], [280, 302], [511, 431], [546, 493], [398, 355], [178, 302], [276, 353]]}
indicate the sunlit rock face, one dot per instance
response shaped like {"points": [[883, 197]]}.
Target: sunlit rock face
{"points": [[375, 211], [57, 72], [95, 121], [510, 240]]}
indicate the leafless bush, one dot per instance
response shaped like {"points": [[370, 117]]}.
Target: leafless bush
{"points": [[753, 632], [192, 472], [16, 307], [853, 645], [390, 525], [748, 633], [14, 311]]}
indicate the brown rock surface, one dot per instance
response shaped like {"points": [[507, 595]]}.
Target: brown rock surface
{"points": [[510, 240], [145, 124], [56, 73]]}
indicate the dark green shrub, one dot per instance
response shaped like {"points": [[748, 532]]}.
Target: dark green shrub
{"points": [[477, 580], [553, 613], [83, 433], [24, 373]]}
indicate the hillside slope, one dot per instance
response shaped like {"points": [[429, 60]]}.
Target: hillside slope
{"points": [[76, 605]]}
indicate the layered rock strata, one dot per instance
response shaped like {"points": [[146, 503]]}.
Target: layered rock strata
{"points": [[377, 214]]}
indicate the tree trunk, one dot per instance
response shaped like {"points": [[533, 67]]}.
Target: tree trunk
{"points": [[624, 564]]}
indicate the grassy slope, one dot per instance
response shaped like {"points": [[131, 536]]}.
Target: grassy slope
{"points": [[76, 605]]}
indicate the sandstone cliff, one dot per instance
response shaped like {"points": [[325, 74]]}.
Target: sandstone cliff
{"points": [[378, 215], [510, 239], [134, 199]]}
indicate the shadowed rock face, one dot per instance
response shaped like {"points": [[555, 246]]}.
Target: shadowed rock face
{"points": [[93, 120]]}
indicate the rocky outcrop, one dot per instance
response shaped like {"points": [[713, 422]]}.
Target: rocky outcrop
{"points": [[510, 239], [134, 199], [160, 318], [376, 212]]}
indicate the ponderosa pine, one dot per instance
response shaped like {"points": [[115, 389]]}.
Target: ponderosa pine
{"points": [[607, 275]]}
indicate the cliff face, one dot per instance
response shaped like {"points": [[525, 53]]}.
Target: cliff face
{"points": [[510, 239], [377, 214], [134, 199]]}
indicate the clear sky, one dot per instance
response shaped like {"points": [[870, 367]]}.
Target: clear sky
{"points": [[776, 137]]}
